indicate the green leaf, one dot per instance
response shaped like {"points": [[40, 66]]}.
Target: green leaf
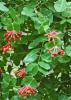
{"points": [[68, 50], [32, 68], [16, 26], [34, 97], [44, 65], [29, 80], [15, 98], [41, 22], [60, 5], [12, 12], [63, 21], [13, 81], [46, 57], [34, 71], [20, 20], [7, 78], [5, 85], [0, 25], [27, 11], [63, 97], [36, 42], [48, 16], [3, 7], [44, 72], [69, 21], [5, 95], [31, 57], [67, 12], [34, 83], [8, 82], [64, 59], [6, 21]]}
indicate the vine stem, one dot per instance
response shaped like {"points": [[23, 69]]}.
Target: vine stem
{"points": [[13, 26]]}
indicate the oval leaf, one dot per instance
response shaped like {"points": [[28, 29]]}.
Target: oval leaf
{"points": [[44, 65], [60, 5]]}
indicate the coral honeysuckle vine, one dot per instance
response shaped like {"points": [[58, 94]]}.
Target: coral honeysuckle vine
{"points": [[35, 50], [13, 35]]}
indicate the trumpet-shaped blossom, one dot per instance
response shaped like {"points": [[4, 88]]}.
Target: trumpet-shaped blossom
{"points": [[12, 35], [27, 90], [7, 47], [21, 72], [55, 51]]}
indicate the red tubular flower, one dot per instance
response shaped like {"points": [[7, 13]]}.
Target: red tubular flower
{"points": [[48, 34], [33, 90], [22, 90], [56, 54], [49, 50], [21, 73], [53, 54], [62, 52], [27, 90], [52, 36], [12, 35], [55, 50], [25, 94], [6, 48]]}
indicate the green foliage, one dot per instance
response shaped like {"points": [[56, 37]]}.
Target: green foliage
{"points": [[68, 50], [44, 65], [67, 12], [49, 74], [31, 57], [60, 5], [3, 7]]}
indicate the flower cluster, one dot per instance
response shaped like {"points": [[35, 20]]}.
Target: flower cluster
{"points": [[27, 90], [21, 73], [52, 36], [7, 47], [55, 50], [12, 35]]}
